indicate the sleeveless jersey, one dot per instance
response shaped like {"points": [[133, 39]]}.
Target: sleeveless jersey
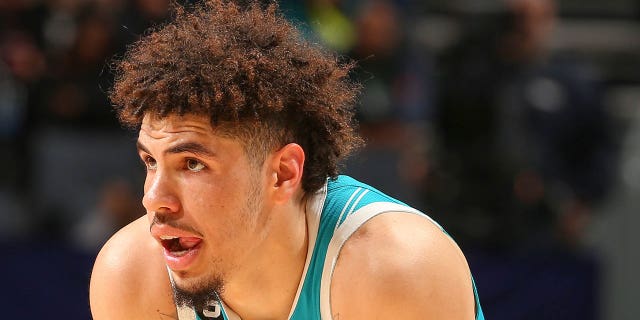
{"points": [[333, 214]]}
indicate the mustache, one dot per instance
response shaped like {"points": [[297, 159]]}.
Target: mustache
{"points": [[166, 220]]}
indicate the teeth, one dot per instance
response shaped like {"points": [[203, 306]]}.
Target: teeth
{"points": [[179, 253], [168, 237]]}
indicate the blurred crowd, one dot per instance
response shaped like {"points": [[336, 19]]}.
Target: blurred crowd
{"points": [[495, 135], [506, 142], [67, 172]]}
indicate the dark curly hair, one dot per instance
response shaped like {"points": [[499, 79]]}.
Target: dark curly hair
{"points": [[250, 71]]}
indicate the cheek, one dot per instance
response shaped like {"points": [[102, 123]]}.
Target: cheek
{"points": [[205, 201], [222, 198]]}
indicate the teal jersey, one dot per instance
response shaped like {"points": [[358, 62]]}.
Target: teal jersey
{"points": [[333, 214]]}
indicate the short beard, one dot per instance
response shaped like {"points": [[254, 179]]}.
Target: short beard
{"points": [[198, 298]]}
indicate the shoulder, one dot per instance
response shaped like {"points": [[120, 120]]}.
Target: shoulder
{"points": [[400, 265], [129, 278]]}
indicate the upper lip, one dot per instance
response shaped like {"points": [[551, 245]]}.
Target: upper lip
{"points": [[164, 232]]}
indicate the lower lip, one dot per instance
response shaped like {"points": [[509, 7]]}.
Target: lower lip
{"points": [[179, 263]]}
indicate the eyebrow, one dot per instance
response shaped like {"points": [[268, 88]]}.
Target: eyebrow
{"points": [[191, 147]]}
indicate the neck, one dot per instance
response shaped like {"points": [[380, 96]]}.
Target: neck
{"points": [[266, 286]]}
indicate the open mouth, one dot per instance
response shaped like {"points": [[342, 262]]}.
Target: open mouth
{"points": [[179, 246]]}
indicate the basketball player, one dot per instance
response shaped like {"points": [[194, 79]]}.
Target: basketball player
{"points": [[241, 126]]}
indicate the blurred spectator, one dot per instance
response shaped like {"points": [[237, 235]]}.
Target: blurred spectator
{"points": [[526, 146], [13, 220], [23, 57], [331, 24], [395, 103], [21, 65], [12, 121], [323, 21], [74, 90], [117, 206]]}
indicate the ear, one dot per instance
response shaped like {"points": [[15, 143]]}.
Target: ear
{"points": [[287, 166]]}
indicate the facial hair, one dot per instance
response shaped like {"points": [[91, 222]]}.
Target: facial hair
{"points": [[211, 288], [198, 298]]}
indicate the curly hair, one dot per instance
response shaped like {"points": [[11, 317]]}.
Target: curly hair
{"points": [[250, 71]]}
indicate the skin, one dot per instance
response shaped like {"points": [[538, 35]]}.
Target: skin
{"points": [[258, 247]]}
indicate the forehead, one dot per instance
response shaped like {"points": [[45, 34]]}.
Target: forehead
{"points": [[188, 123], [183, 132]]}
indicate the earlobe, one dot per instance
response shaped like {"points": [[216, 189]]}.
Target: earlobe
{"points": [[288, 166]]}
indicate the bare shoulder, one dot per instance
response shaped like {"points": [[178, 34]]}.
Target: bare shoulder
{"points": [[401, 266], [129, 279]]}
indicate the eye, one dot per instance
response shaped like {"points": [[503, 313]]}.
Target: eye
{"points": [[150, 163], [194, 165]]}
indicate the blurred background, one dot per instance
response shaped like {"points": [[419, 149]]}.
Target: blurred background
{"points": [[514, 123]]}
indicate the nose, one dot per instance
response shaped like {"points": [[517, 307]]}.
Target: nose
{"points": [[160, 194]]}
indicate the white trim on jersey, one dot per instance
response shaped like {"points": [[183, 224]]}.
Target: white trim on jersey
{"points": [[313, 211], [342, 234]]}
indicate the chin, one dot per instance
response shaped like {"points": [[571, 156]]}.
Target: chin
{"points": [[189, 282], [197, 293]]}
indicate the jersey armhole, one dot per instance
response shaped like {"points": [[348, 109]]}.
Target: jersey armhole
{"points": [[347, 229], [342, 234]]}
